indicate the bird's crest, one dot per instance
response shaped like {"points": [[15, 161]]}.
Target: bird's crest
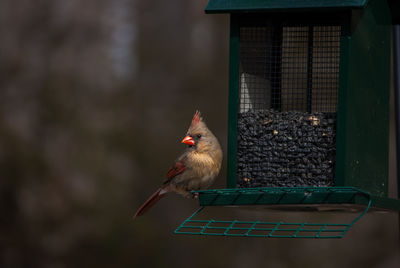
{"points": [[196, 119]]}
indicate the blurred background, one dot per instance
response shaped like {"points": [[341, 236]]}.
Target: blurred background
{"points": [[95, 97]]}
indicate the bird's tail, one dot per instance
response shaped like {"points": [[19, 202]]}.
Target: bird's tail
{"points": [[153, 199]]}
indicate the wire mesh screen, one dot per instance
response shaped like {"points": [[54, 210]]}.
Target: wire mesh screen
{"points": [[289, 68], [288, 101], [294, 68], [256, 64], [325, 68]]}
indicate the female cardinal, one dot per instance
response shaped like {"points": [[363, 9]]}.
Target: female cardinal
{"points": [[195, 169]]}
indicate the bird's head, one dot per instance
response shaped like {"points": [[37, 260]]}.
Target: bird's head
{"points": [[199, 136]]}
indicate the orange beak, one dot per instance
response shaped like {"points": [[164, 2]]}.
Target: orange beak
{"points": [[188, 140]]}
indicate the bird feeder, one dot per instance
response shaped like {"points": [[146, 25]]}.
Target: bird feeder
{"points": [[309, 86]]}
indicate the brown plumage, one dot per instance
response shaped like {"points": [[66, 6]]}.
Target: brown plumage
{"points": [[195, 169]]}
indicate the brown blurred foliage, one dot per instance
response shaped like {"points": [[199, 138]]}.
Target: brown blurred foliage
{"points": [[94, 98]]}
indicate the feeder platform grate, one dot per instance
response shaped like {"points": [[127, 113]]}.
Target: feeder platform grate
{"points": [[274, 196]]}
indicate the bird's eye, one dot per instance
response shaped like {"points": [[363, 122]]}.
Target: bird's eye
{"points": [[198, 136]]}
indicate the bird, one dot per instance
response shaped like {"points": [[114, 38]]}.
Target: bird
{"points": [[195, 169]]}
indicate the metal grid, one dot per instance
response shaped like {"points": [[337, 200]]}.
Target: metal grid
{"points": [[255, 68], [236, 228], [285, 67], [289, 76]]}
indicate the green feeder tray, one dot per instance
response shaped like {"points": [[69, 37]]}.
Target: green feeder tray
{"points": [[285, 196]]}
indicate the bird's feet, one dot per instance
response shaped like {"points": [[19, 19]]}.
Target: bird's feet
{"points": [[191, 195]]}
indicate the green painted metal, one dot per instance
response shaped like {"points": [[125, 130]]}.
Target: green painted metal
{"points": [[385, 203], [363, 110], [293, 196], [281, 196], [230, 6], [395, 10], [233, 101], [341, 131], [236, 228]]}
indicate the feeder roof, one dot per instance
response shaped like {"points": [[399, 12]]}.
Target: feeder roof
{"points": [[229, 6]]}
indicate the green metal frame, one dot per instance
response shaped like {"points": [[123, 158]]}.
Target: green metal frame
{"points": [[281, 196], [395, 10], [262, 196], [230, 6], [342, 111], [362, 139], [233, 100], [264, 229]]}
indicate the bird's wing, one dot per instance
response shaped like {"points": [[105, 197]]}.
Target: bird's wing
{"points": [[176, 169]]}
